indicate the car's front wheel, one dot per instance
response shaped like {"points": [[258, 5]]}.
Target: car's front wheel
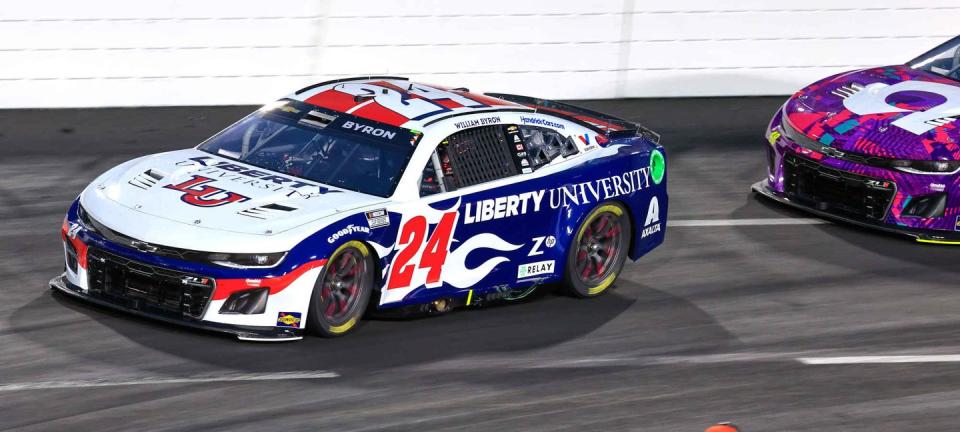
{"points": [[598, 251], [342, 290]]}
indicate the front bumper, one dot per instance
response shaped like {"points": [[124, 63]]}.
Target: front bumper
{"points": [[247, 333], [920, 235]]}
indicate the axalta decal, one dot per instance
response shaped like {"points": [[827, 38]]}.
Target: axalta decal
{"points": [[226, 171], [349, 229], [651, 224]]}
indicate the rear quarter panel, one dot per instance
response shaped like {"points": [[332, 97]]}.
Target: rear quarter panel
{"points": [[508, 234]]}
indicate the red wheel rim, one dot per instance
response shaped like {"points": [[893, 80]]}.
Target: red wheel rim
{"points": [[600, 245], [340, 289]]}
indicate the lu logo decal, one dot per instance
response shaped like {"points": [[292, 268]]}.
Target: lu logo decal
{"points": [[196, 192]]}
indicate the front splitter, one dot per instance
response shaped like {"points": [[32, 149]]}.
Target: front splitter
{"points": [[922, 236], [244, 333]]}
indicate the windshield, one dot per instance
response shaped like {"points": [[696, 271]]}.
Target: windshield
{"points": [[326, 147], [943, 60]]}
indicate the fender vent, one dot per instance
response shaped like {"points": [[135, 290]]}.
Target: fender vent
{"points": [[847, 90], [146, 179], [265, 212], [941, 121]]}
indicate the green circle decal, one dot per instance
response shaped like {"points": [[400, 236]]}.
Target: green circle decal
{"points": [[658, 166]]}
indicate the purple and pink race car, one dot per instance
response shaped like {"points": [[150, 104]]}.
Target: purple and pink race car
{"points": [[876, 147]]}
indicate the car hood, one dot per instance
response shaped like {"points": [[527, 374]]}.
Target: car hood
{"points": [[893, 111], [207, 191]]}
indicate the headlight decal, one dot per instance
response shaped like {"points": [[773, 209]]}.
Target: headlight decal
{"points": [[226, 287], [252, 260], [823, 147], [926, 167]]}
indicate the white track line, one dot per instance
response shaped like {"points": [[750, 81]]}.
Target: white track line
{"points": [[195, 379], [932, 358], [744, 222]]}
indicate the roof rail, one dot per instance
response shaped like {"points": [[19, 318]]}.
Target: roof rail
{"points": [[561, 109], [311, 87], [482, 111], [568, 112]]}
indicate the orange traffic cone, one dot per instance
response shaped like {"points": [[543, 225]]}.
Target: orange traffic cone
{"points": [[723, 427]]}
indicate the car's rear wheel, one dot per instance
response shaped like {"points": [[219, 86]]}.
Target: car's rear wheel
{"points": [[598, 251], [342, 290]]}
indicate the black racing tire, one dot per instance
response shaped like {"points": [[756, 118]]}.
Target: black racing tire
{"points": [[342, 291], [598, 251]]}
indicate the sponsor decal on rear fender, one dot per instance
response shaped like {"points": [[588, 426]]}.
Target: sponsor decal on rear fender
{"points": [[536, 268], [377, 218], [427, 252], [651, 224]]}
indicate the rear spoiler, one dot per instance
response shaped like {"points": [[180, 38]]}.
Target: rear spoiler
{"points": [[604, 124]]}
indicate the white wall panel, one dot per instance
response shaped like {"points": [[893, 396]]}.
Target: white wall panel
{"points": [[788, 24], [120, 34], [178, 52], [471, 30], [157, 9], [410, 60]]}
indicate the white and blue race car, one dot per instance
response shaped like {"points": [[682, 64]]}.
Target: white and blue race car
{"points": [[368, 193]]}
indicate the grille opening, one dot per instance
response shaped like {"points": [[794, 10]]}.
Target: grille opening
{"points": [[72, 263], [829, 189], [930, 206], [147, 288], [771, 161]]}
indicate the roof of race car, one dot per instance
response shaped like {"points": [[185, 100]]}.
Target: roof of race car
{"points": [[399, 102]]}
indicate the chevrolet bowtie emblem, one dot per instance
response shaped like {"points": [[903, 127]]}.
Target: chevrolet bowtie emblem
{"points": [[143, 246], [832, 152]]}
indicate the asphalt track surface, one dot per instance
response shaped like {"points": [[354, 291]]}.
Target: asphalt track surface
{"points": [[725, 321]]}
